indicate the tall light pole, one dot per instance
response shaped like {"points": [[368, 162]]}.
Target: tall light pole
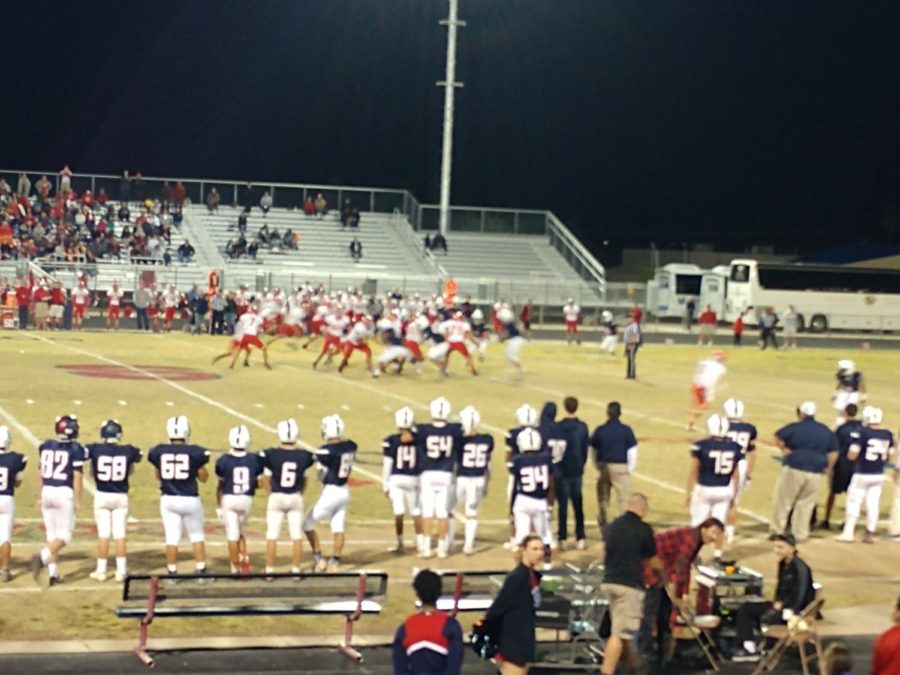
{"points": [[449, 84]]}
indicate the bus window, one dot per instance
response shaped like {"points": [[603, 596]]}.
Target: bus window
{"points": [[740, 273], [688, 284]]}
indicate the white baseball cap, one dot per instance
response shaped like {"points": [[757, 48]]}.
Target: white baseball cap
{"points": [[808, 408]]}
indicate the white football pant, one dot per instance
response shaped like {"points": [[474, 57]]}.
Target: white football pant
{"points": [[513, 347], [863, 488], [282, 505], [331, 505], [7, 514], [403, 491], [530, 514], [111, 514], [435, 493], [710, 502], [235, 509], [58, 510], [178, 511]]}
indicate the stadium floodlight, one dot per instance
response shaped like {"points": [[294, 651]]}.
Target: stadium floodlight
{"points": [[449, 84]]}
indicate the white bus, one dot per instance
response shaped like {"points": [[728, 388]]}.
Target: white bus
{"points": [[824, 296], [670, 288]]}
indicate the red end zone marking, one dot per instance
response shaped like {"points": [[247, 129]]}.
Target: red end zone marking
{"points": [[353, 482], [110, 372]]}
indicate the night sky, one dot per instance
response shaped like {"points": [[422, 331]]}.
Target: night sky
{"points": [[736, 123]]}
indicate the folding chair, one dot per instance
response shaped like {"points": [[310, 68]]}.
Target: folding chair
{"points": [[698, 628], [798, 632]]}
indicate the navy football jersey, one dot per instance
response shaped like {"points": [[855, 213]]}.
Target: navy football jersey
{"points": [[438, 445], [111, 465], [391, 338], [403, 456], [475, 455], [849, 381], [11, 465], [874, 448], [59, 462], [718, 460], [239, 472], [479, 329], [178, 465], [337, 460], [532, 474], [511, 330], [744, 434], [287, 468], [435, 336], [512, 440]]}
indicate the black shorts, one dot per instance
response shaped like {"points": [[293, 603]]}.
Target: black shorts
{"points": [[840, 476]]}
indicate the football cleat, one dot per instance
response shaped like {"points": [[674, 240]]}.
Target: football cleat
{"points": [[440, 408], [239, 437], [733, 409], [178, 428], [111, 430], [120, 577], [717, 425], [581, 544], [97, 575], [320, 563], [55, 581], [288, 431], [844, 539], [526, 416], [67, 427], [5, 576], [529, 440], [404, 418]]}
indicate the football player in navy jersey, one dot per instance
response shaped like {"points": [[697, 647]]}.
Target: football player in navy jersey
{"points": [[850, 387], [285, 470], [111, 464], [481, 334], [437, 446], [511, 337], [335, 462], [60, 480], [744, 434], [527, 418], [532, 489], [11, 466], [239, 474], [871, 448], [395, 351], [179, 465], [400, 477], [473, 472], [713, 474]]}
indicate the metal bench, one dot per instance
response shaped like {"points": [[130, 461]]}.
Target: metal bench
{"points": [[352, 594]]}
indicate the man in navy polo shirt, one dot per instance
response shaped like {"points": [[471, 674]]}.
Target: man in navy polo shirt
{"points": [[616, 458], [809, 450]]}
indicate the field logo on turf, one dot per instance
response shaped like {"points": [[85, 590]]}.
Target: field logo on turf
{"points": [[111, 372]]}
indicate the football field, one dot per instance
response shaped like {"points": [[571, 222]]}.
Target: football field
{"points": [[142, 379]]}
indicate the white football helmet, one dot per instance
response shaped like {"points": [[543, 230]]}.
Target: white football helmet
{"points": [[288, 430], [440, 409], [872, 415], [5, 438], [178, 428], [526, 416], [239, 437], [477, 315], [332, 427], [470, 419], [505, 315], [846, 366], [733, 409], [606, 316], [717, 425], [404, 418], [529, 440]]}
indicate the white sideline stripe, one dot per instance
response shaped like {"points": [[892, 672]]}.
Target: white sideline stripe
{"points": [[35, 441], [189, 392]]}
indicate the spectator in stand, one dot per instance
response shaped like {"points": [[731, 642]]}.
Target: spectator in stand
{"points": [[265, 202], [242, 223], [345, 212], [4, 190], [124, 213], [23, 299], [439, 242], [166, 194], [185, 252], [231, 249], [102, 198], [263, 235], [253, 249], [737, 330], [690, 307], [353, 220], [142, 299], [707, 322], [309, 207], [355, 249], [137, 187], [288, 241], [179, 194], [23, 187], [886, 660], [125, 187], [65, 180], [791, 321], [212, 200], [87, 199], [426, 243], [275, 238], [429, 641], [43, 190], [321, 205], [525, 318]]}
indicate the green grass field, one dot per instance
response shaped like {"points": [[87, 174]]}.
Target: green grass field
{"points": [[37, 388]]}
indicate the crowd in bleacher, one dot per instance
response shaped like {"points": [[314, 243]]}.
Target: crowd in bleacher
{"points": [[41, 220]]}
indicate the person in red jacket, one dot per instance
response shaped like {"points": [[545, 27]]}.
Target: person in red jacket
{"points": [[41, 297], [707, 322], [57, 304], [886, 660], [737, 330], [23, 299], [525, 315]]}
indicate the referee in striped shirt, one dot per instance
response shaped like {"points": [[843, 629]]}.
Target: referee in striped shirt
{"points": [[631, 336]]}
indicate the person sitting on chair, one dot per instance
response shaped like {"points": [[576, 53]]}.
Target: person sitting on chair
{"points": [[793, 594]]}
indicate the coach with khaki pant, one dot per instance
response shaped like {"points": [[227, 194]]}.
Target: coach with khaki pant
{"points": [[809, 450], [615, 456]]}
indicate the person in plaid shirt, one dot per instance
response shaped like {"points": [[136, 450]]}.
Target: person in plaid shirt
{"points": [[676, 550]]}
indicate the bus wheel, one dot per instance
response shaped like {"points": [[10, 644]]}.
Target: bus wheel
{"points": [[801, 323], [819, 324]]}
